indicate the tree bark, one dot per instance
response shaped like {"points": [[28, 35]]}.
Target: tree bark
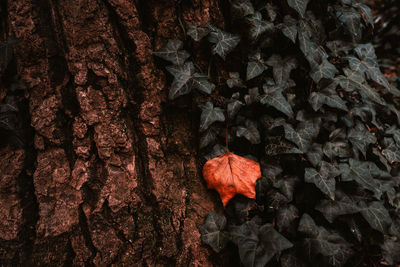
{"points": [[112, 177]]}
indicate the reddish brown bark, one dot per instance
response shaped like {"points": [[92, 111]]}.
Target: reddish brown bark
{"points": [[113, 177]]}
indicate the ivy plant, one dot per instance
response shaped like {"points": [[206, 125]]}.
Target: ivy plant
{"points": [[305, 96]]}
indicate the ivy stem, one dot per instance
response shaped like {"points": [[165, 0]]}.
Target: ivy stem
{"points": [[227, 134]]}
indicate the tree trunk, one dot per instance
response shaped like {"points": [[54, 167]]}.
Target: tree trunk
{"points": [[112, 176]]}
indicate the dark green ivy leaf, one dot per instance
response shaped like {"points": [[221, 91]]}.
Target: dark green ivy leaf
{"points": [[328, 97], [315, 154], [250, 132], [208, 137], [336, 149], [391, 152], [361, 172], [356, 81], [376, 215], [257, 245], [360, 137], [254, 69], [212, 231], [289, 28], [299, 5], [281, 68], [338, 46], [303, 135], [324, 70], [243, 7], [352, 20], [209, 115], [285, 217], [368, 64], [334, 208], [182, 83], [332, 246], [258, 25], [216, 151], [366, 11], [224, 42], [172, 52], [201, 83], [323, 179], [197, 33], [287, 185], [233, 108], [273, 97]]}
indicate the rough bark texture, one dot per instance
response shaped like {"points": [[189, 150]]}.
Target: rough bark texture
{"points": [[113, 177]]}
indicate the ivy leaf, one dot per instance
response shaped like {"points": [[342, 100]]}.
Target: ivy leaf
{"points": [[368, 64], [209, 115], [197, 33], [366, 12], [254, 69], [391, 152], [324, 70], [315, 154], [285, 217], [243, 7], [339, 47], [287, 186], [376, 215], [331, 245], [208, 137], [336, 149], [212, 232], [172, 52], [299, 5], [323, 179], [334, 208], [360, 137], [303, 134], [200, 82], [257, 245], [233, 108], [235, 80], [355, 80], [273, 97], [360, 171], [289, 28], [270, 171], [217, 151], [352, 20], [182, 83], [249, 132], [327, 97], [281, 68], [258, 25], [224, 42]]}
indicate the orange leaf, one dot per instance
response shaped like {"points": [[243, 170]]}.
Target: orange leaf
{"points": [[231, 174]]}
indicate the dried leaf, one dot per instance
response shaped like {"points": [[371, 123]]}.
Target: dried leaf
{"points": [[230, 175]]}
